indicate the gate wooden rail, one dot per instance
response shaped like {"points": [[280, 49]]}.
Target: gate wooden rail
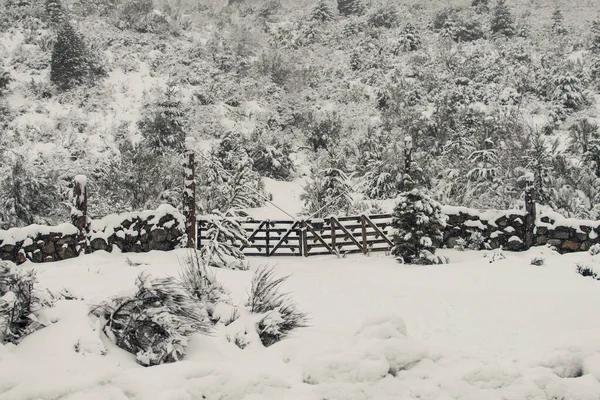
{"points": [[334, 235]]}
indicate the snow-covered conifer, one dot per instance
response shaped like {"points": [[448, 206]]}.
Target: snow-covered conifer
{"points": [[502, 20], [322, 12], [417, 223], [69, 65], [350, 7]]}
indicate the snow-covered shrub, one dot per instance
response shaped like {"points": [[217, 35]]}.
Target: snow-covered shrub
{"points": [[19, 301], [5, 80], [271, 158], [140, 16], [224, 237], [322, 12], [322, 131], [502, 21], [384, 17], [55, 12], [202, 284], [328, 192], [569, 92], [594, 249], [417, 221], [411, 38], [586, 270], [350, 7], [279, 313], [162, 123], [154, 323], [538, 261], [495, 255], [595, 47], [477, 241], [460, 244]]}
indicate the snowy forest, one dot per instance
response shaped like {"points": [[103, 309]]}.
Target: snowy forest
{"points": [[325, 92]]}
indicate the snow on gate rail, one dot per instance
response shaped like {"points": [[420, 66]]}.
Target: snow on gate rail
{"points": [[333, 235]]}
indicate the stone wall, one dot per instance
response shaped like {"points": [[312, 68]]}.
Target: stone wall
{"points": [[506, 228], [163, 229]]}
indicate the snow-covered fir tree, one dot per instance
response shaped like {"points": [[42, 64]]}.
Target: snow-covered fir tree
{"points": [[411, 38], [502, 21], [69, 65], [417, 223], [322, 12], [55, 12], [568, 92], [163, 123], [350, 7], [595, 47], [558, 26]]}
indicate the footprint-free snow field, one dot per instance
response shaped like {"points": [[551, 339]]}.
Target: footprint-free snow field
{"points": [[378, 330]]}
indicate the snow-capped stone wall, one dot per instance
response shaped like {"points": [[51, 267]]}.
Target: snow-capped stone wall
{"points": [[162, 229], [506, 228]]}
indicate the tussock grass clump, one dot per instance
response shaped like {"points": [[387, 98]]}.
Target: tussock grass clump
{"points": [[280, 313]]}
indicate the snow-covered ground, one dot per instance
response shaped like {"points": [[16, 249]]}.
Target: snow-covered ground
{"points": [[475, 330]]}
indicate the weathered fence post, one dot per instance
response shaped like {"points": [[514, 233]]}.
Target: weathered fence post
{"points": [[363, 225], [407, 179], [189, 193], [530, 209], [333, 238], [79, 215], [268, 239], [304, 238]]}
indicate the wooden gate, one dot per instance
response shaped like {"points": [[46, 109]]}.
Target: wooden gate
{"points": [[335, 235]]}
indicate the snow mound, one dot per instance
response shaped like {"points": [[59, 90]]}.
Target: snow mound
{"points": [[380, 348]]}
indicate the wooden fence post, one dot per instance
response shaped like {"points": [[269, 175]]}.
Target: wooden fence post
{"points": [[531, 212], [304, 238], [79, 214], [363, 224], [268, 239], [189, 193], [333, 238]]}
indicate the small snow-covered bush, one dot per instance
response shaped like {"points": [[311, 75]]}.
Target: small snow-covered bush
{"points": [[538, 261], [224, 236], [417, 221], [586, 270], [477, 241], [201, 283], [280, 314], [155, 322], [595, 249], [495, 255], [18, 303]]}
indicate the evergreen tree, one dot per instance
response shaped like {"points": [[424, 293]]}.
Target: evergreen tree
{"points": [[162, 124], [417, 221], [322, 12], [350, 7], [568, 92], [596, 36], [585, 140], [502, 20], [539, 160], [70, 64], [385, 17], [328, 191], [55, 12], [558, 27], [411, 38], [481, 5]]}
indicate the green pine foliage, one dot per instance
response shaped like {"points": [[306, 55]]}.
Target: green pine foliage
{"points": [[70, 62], [417, 223], [350, 7], [502, 22], [322, 12]]}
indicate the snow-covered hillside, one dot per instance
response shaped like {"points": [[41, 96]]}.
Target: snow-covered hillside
{"points": [[379, 330]]}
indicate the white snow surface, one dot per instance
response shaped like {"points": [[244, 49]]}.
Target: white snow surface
{"points": [[467, 330]]}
